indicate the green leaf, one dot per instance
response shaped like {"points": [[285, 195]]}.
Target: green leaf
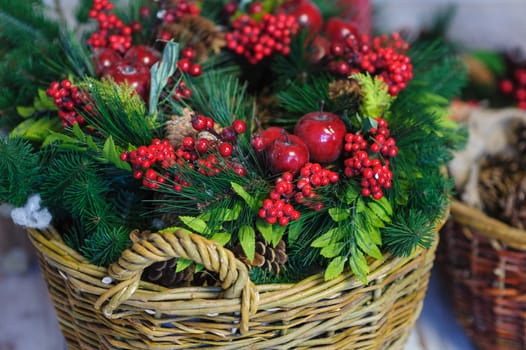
{"points": [[53, 137], [160, 72], [77, 131], [247, 239], [221, 237], [383, 212], [364, 241], [240, 191], [35, 129], [45, 103], [91, 144], [325, 239], [359, 265], [277, 233], [195, 224], [265, 229], [351, 194], [331, 250], [182, 264], [110, 153], [295, 230], [339, 214], [25, 112], [372, 219], [222, 214], [335, 268]]}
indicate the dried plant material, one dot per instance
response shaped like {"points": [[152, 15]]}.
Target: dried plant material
{"points": [[203, 35], [179, 126], [344, 87]]}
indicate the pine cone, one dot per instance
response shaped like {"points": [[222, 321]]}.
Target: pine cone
{"points": [[163, 273], [199, 33], [179, 126], [503, 190], [267, 257]]}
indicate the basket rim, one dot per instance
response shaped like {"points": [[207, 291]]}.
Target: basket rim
{"points": [[487, 226]]}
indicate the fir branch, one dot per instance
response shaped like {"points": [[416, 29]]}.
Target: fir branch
{"points": [[375, 95], [19, 169], [294, 67], [407, 231]]}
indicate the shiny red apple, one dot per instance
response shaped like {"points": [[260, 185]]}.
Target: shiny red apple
{"points": [[338, 29], [323, 133], [144, 54], [262, 140], [104, 58], [287, 153], [306, 12], [137, 75]]}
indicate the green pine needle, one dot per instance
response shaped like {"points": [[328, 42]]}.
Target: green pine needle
{"points": [[405, 233], [120, 113], [105, 246], [19, 169]]}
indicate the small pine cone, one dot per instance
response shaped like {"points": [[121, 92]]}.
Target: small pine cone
{"points": [[342, 88], [199, 33], [163, 273], [179, 126], [265, 256]]}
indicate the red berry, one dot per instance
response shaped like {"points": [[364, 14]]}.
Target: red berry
{"points": [[225, 149], [239, 126]]}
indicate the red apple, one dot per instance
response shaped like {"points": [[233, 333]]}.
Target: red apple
{"points": [[287, 153], [266, 137], [105, 58], [323, 133], [338, 29], [144, 54], [137, 75], [306, 12]]}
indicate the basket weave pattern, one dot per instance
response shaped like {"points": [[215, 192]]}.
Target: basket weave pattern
{"points": [[131, 314], [484, 261]]}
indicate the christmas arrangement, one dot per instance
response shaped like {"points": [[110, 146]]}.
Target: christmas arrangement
{"points": [[276, 129]]}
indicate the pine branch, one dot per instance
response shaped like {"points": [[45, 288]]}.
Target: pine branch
{"points": [[119, 112], [19, 169], [105, 246], [407, 231]]}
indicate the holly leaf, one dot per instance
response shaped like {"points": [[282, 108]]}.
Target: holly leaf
{"points": [[295, 229], [331, 250], [325, 239], [182, 264], [247, 239], [335, 268], [25, 112], [195, 224], [221, 238], [110, 153], [241, 192], [339, 214], [359, 265], [265, 229]]}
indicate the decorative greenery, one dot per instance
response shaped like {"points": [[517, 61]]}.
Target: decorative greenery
{"points": [[121, 167]]}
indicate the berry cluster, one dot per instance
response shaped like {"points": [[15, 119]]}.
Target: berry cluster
{"points": [[382, 56], [203, 154], [179, 10], [68, 99], [257, 40], [278, 207], [145, 158], [515, 86], [112, 31], [186, 65], [374, 170]]}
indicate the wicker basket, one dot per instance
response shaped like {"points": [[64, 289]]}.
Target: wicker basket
{"points": [[484, 261], [122, 312]]}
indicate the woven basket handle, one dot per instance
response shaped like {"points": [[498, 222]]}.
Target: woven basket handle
{"points": [[233, 274]]}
